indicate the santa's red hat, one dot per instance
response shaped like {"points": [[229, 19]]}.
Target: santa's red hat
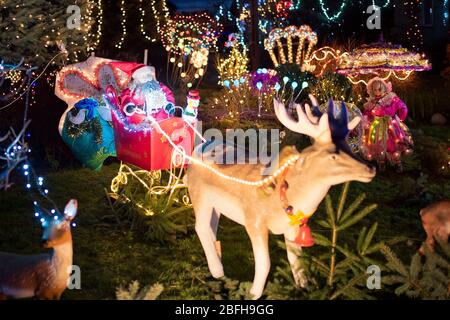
{"points": [[138, 71]]}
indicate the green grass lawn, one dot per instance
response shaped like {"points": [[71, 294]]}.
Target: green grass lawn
{"points": [[108, 257]]}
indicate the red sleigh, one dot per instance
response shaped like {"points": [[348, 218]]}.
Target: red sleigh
{"points": [[144, 145]]}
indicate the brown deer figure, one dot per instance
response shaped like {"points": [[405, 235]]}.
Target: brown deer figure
{"points": [[44, 276], [436, 222], [306, 179]]}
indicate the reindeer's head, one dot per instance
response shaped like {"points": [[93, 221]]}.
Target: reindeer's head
{"points": [[329, 161], [57, 227]]}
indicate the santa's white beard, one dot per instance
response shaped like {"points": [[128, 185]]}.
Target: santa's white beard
{"points": [[151, 92]]}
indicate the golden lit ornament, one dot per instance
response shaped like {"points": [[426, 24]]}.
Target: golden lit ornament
{"points": [[302, 34]]}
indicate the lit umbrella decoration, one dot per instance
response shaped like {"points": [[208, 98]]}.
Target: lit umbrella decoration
{"points": [[188, 40], [382, 59]]}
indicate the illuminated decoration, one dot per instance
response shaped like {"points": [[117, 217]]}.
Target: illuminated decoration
{"points": [[87, 79], [16, 151], [248, 97], [151, 181], [305, 38], [123, 23], [28, 85], [185, 154], [140, 144], [326, 10], [88, 132], [386, 137], [144, 95], [36, 32], [445, 14], [273, 14], [308, 179], [193, 102], [13, 73], [382, 59], [13, 154], [89, 37], [263, 82], [334, 86], [235, 66], [188, 40], [323, 60], [414, 32], [294, 84], [142, 11], [160, 16]]}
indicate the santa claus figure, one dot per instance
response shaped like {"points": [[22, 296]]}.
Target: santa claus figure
{"points": [[145, 97]]}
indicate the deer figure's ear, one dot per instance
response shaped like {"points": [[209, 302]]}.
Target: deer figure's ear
{"points": [[70, 211], [339, 126]]}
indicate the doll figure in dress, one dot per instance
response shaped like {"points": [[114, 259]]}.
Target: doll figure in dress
{"points": [[386, 138]]}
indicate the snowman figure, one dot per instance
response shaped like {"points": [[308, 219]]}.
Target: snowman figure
{"points": [[193, 101]]}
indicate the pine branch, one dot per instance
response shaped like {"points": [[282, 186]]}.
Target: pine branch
{"points": [[393, 262], [356, 218], [355, 204], [342, 200], [349, 286], [330, 210], [369, 238]]}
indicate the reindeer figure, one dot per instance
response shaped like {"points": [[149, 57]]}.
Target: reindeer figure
{"points": [[304, 183], [436, 222], [43, 276]]}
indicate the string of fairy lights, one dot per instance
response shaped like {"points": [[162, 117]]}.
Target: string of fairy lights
{"points": [[275, 12], [91, 6], [123, 23], [414, 34], [18, 86], [142, 27]]}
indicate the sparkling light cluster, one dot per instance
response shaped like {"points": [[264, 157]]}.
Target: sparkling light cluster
{"points": [[188, 40], [233, 67]]}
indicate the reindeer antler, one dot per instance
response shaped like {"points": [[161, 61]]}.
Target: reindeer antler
{"points": [[308, 124]]}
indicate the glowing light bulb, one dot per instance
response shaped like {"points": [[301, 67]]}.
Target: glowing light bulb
{"points": [[277, 87]]}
